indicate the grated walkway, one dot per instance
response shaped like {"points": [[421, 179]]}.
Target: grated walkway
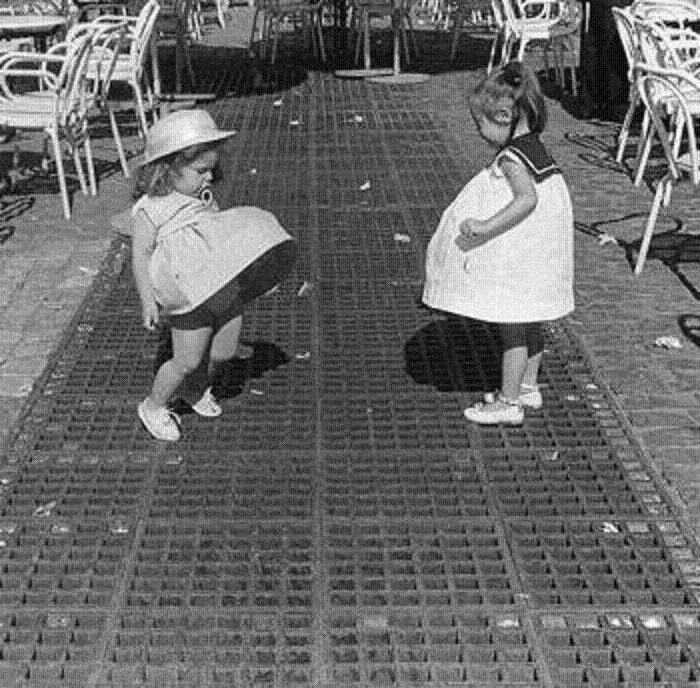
{"points": [[340, 524]]}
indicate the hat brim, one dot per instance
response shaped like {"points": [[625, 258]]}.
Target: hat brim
{"points": [[181, 145]]}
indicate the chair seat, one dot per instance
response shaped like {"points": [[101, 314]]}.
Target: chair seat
{"points": [[33, 111]]}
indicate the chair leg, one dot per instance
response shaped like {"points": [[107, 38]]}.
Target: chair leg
{"points": [[623, 136], [318, 21], [492, 56], [643, 149], [649, 230], [455, 36], [365, 29], [220, 13], [251, 49], [412, 34], [404, 38], [117, 140], [90, 162], [79, 170], [61, 173], [275, 40], [140, 108]]}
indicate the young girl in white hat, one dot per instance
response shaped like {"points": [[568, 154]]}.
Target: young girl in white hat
{"points": [[194, 264]]}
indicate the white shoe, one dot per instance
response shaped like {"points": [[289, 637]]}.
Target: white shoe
{"points": [[502, 410], [159, 421], [529, 396], [207, 406]]}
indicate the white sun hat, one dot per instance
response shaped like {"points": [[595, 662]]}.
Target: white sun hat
{"points": [[179, 130]]}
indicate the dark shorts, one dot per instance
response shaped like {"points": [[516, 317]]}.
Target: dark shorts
{"points": [[228, 303]]}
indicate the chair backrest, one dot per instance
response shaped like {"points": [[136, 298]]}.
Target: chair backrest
{"points": [[107, 42], [665, 10], [499, 13], [624, 22], [73, 91], [143, 31], [664, 46], [652, 81]]}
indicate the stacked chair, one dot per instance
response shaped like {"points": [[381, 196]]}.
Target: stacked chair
{"points": [[664, 72]]}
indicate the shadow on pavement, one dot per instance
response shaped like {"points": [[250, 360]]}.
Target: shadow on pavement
{"points": [[232, 378], [10, 210], [455, 355]]}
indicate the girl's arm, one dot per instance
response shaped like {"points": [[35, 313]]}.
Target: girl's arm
{"points": [[143, 239], [477, 232]]}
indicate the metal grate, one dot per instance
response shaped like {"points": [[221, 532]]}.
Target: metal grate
{"points": [[340, 524]]}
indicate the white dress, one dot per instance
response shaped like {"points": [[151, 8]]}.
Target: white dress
{"points": [[199, 248], [525, 274]]}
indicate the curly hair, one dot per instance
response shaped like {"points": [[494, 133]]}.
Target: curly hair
{"points": [[514, 87], [156, 178]]}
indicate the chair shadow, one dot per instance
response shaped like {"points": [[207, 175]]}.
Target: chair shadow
{"points": [[673, 247], [10, 210], [235, 372], [32, 179], [455, 355], [233, 72]]}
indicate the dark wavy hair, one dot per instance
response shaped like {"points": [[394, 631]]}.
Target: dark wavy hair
{"points": [[156, 178], [513, 86]]}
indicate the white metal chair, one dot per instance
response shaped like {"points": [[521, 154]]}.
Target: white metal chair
{"points": [[624, 22], [680, 11], [274, 12], [473, 15], [108, 40], [554, 23], [673, 104], [131, 61], [59, 109], [667, 48]]}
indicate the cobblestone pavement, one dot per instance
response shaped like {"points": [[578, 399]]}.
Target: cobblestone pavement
{"points": [[348, 528]]}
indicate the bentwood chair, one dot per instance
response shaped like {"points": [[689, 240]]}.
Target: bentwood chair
{"points": [[130, 66], [273, 13], [59, 108], [664, 94]]}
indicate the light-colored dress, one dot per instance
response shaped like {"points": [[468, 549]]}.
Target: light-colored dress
{"points": [[199, 248], [525, 274]]}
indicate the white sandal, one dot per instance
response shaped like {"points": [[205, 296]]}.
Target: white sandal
{"points": [[162, 423], [502, 410], [207, 406], [530, 396]]}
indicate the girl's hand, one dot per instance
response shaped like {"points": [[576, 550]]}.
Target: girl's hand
{"points": [[467, 243], [471, 227], [150, 314]]}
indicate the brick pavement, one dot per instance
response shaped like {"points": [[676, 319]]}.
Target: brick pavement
{"points": [[48, 264]]}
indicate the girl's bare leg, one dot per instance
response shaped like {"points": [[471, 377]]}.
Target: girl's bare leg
{"points": [[535, 347], [224, 344], [189, 349], [515, 358]]}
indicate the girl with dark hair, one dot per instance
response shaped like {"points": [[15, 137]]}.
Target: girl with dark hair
{"points": [[503, 251]]}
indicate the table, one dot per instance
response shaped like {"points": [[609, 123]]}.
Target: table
{"points": [[38, 26]]}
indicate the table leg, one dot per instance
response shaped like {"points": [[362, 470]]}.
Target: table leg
{"points": [[396, 23]]}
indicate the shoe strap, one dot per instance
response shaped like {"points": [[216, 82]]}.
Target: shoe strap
{"points": [[505, 400]]}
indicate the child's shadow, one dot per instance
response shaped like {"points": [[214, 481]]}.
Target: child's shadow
{"points": [[455, 355], [232, 377]]}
